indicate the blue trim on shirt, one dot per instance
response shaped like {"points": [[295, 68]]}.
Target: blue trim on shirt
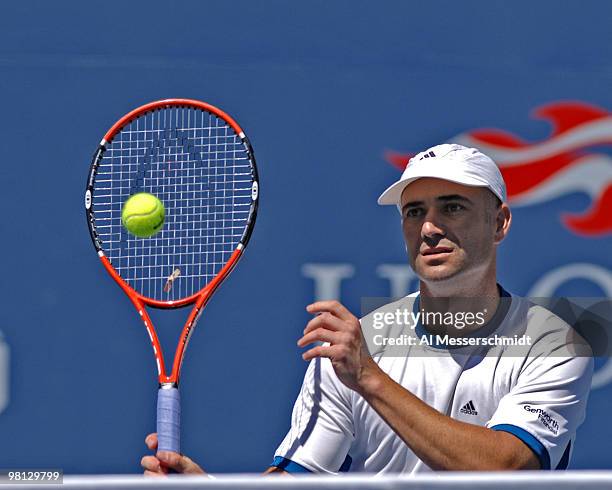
{"points": [[288, 465], [564, 462], [498, 317], [346, 465], [536, 446], [293, 467]]}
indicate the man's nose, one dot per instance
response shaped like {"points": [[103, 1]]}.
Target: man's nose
{"points": [[431, 226]]}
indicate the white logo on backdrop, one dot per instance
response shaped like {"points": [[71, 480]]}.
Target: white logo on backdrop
{"points": [[327, 278], [402, 280]]}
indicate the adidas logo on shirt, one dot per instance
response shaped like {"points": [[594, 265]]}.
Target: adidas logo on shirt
{"points": [[469, 408]]}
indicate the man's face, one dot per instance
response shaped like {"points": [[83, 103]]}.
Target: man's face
{"points": [[450, 229]]}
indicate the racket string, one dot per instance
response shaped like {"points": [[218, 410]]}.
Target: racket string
{"points": [[199, 168]]}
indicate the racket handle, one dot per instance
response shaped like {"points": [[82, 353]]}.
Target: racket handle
{"points": [[168, 419]]}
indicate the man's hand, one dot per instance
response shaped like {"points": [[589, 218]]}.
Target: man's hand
{"points": [[347, 351], [165, 461]]}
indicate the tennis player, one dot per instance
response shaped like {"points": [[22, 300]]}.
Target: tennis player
{"points": [[457, 396]]}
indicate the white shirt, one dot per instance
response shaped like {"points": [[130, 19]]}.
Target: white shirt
{"points": [[537, 392]]}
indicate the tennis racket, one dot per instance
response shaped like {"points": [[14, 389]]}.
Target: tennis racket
{"points": [[199, 163]]}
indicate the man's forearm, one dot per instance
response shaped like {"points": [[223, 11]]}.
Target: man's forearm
{"points": [[438, 440]]}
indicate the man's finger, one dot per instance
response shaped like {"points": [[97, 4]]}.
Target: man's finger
{"points": [[150, 463], [334, 307], [320, 334], [178, 462], [319, 351], [170, 459], [325, 320], [151, 441]]}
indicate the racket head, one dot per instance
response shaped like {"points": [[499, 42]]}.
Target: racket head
{"points": [[197, 160]]}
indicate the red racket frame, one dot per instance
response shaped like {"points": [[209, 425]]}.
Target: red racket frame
{"points": [[200, 298]]}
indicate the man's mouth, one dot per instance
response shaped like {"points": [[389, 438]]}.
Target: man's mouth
{"points": [[436, 251]]}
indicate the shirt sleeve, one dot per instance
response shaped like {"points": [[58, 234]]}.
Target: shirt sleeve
{"points": [[548, 401], [321, 430]]}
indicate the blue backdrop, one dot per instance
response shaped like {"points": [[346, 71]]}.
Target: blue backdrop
{"points": [[324, 90]]}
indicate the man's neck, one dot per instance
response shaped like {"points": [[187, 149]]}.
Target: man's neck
{"points": [[480, 300]]}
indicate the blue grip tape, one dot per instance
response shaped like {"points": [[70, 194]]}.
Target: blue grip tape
{"points": [[169, 420]]}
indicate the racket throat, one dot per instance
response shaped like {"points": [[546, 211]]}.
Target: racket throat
{"points": [[168, 385]]}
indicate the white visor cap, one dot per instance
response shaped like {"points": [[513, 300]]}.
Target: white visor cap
{"points": [[455, 163]]}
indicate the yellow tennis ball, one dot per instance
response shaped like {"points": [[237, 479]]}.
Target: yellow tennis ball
{"points": [[143, 215]]}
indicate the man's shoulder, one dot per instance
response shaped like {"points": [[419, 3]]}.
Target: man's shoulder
{"points": [[548, 330]]}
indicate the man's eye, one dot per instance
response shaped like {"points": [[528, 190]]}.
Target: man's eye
{"points": [[453, 207], [413, 212]]}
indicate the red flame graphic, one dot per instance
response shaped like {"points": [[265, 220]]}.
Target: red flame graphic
{"points": [[560, 165]]}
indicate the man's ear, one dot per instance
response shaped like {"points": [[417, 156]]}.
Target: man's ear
{"points": [[503, 220]]}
